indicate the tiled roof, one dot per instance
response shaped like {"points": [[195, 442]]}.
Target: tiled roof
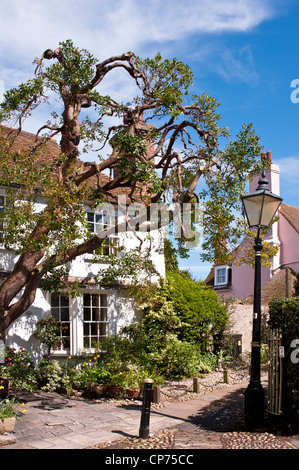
{"points": [[291, 214], [25, 140]]}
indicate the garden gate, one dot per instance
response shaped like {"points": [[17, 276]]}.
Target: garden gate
{"points": [[276, 382]]}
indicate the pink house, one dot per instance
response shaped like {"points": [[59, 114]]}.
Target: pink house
{"points": [[237, 281]]}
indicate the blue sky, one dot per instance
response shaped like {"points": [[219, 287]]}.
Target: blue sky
{"points": [[243, 53]]}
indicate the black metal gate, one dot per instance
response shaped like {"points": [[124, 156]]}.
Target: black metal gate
{"points": [[276, 385]]}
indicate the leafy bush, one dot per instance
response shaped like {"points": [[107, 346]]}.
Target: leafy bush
{"points": [[95, 375], [19, 369], [48, 332], [178, 359], [199, 309], [54, 375]]}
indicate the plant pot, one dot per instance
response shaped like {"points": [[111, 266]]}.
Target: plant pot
{"points": [[4, 391], [114, 391], [99, 389], [65, 391], [95, 390], [7, 425], [133, 392]]}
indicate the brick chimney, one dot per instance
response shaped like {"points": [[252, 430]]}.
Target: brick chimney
{"points": [[272, 175]]}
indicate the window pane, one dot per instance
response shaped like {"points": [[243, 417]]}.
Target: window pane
{"points": [[95, 326], [87, 314], [93, 329], [55, 313], [64, 314], [60, 311], [103, 300], [64, 301], [96, 314], [54, 301]]}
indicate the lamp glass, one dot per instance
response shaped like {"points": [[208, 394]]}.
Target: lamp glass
{"points": [[260, 208]]}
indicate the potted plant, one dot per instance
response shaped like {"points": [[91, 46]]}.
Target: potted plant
{"points": [[95, 380], [133, 380], [8, 415], [116, 384]]}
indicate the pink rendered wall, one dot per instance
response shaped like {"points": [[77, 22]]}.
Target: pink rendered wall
{"points": [[289, 248], [243, 277], [243, 281]]}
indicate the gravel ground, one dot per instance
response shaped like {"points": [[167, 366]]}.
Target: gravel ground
{"points": [[243, 440], [182, 390], [178, 391]]}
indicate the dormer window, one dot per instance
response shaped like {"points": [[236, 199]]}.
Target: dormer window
{"points": [[221, 276]]}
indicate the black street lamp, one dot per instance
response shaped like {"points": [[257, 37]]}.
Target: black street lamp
{"points": [[260, 208]]}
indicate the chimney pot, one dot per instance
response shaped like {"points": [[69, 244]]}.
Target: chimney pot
{"points": [[269, 156]]}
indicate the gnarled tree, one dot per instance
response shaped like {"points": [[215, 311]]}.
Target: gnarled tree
{"points": [[157, 148]]}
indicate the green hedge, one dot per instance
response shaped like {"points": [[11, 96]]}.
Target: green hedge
{"points": [[284, 314]]}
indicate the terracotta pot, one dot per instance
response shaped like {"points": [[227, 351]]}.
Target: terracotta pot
{"points": [[7, 425], [114, 391], [133, 392], [99, 390]]}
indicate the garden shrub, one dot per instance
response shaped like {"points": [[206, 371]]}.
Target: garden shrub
{"points": [[199, 309], [54, 375], [19, 369], [178, 359], [95, 375]]}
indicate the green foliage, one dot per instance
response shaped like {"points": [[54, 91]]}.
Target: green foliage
{"points": [[10, 408], [48, 332], [198, 308], [186, 140], [97, 375], [22, 100], [162, 342], [284, 315], [222, 228], [75, 70], [296, 286], [54, 375], [19, 369], [132, 266], [167, 82]]}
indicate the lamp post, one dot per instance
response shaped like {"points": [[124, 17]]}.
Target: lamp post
{"points": [[260, 208]]}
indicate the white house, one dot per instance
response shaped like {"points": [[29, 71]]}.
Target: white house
{"points": [[98, 312]]}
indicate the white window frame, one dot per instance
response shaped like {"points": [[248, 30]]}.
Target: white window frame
{"points": [[225, 275], [59, 308], [99, 221], [93, 325]]}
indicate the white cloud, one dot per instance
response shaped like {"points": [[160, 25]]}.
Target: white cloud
{"points": [[288, 167], [106, 28], [112, 27], [2, 90], [238, 65]]}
